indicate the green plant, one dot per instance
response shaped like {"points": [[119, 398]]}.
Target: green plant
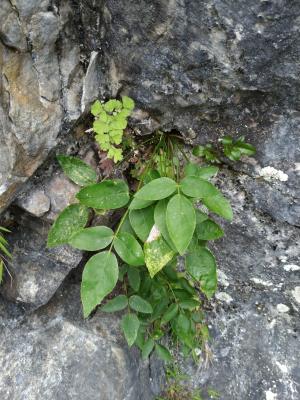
{"points": [[4, 252], [233, 149], [177, 388], [165, 217], [109, 124]]}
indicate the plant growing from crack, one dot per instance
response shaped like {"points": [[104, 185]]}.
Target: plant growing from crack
{"points": [[167, 216], [4, 252]]}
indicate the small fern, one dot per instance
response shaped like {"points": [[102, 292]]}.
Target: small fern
{"points": [[109, 124]]}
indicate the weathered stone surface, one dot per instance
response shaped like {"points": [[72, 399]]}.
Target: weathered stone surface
{"points": [[54, 355], [204, 70], [40, 86], [254, 319], [35, 272]]}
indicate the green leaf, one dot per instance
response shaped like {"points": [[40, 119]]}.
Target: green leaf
{"points": [[124, 113], [140, 305], [157, 252], [116, 304], [70, 220], [171, 313], [138, 204], [160, 213], [99, 278], [134, 278], [1, 270], [112, 104], [202, 266], [106, 195], [226, 140], [197, 187], [163, 353], [96, 108], [209, 230], [116, 136], [157, 189], [200, 216], [182, 329], [130, 325], [198, 151], [219, 205], [151, 175], [181, 221], [189, 304], [77, 170], [147, 348], [142, 221], [115, 154], [246, 148], [126, 226], [129, 249], [191, 169], [128, 103], [118, 124], [92, 239], [100, 127]]}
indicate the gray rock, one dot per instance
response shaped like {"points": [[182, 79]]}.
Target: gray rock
{"points": [[254, 318], [55, 355], [37, 203], [35, 272]]}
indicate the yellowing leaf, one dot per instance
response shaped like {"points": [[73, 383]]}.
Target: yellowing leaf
{"points": [[157, 252]]}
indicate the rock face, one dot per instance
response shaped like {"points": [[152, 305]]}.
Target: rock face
{"points": [[203, 70], [55, 355], [254, 319]]}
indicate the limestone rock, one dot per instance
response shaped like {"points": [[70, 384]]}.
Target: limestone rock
{"points": [[54, 354], [35, 272]]}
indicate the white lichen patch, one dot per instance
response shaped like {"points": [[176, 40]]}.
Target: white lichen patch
{"points": [[259, 281], [223, 279], [271, 395], [225, 297], [272, 174], [282, 308], [296, 294], [291, 267]]}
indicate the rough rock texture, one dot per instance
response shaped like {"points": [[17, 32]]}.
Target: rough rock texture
{"points": [[203, 68], [53, 354], [254, 319], [35, 271]]}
